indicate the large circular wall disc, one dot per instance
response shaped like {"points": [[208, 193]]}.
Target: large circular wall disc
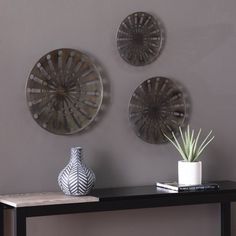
{"points": [[64, 91], [157, 107], [140, 39]]}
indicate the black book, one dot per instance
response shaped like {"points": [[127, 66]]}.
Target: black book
{"points": [[178, 187]]}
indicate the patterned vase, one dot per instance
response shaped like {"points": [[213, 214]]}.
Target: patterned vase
{"points": [[76, 179]]}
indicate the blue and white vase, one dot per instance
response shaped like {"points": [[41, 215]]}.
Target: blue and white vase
{"points": [[76, 179]]}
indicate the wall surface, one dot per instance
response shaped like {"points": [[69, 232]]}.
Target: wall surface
{"points": [[200, 52]]}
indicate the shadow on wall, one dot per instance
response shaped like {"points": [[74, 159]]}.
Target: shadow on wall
{"points": [[218, 163], [192, 45], [103, 162]]}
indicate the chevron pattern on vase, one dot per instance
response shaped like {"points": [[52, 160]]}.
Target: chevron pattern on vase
{"points": [[76, 178]]}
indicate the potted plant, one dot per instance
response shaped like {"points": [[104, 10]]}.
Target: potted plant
{"points": [[190, 168]]}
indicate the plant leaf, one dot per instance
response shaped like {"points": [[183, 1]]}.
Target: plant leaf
{"points": [[196, 142], [188, 147], [204, 141], [182, 136], [200, 152], [178, 147]]}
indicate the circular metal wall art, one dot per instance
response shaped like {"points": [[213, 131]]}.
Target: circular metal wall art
{"points": [[140, 39], [64, 91], [157, 107]]}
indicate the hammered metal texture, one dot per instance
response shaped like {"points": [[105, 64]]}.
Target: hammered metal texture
{"points": [[64, 91], [140, 39], [157, 107]]}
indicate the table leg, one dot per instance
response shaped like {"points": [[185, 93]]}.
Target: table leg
{"points": [[225, 219], [1, 219], [19, 222]]}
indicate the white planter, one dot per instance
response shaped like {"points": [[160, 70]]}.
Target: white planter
{"points": [[189, 173]]}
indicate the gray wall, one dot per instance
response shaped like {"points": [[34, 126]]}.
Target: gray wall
{"points": [[200, 53]]}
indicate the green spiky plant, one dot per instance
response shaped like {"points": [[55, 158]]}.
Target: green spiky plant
{"points": [[190, 148]]}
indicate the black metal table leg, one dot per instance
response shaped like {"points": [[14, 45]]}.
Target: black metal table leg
{"points": [[225, 219], [20, 222], [1, 219]]}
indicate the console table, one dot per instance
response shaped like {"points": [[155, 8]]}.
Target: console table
{"points": [[44, 204]]}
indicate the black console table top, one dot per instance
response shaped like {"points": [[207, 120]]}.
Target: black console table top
{"points": [[124, 198], [151, 191]]}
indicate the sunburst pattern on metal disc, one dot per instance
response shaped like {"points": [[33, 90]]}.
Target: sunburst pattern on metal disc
{"points": [[64, 91], [157, 107], [140, 39]]}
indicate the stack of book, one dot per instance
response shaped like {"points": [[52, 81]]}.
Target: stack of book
{"points": [[177, 187]]}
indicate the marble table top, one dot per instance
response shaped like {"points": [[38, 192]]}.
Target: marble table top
{"points": [[40, 199]]}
